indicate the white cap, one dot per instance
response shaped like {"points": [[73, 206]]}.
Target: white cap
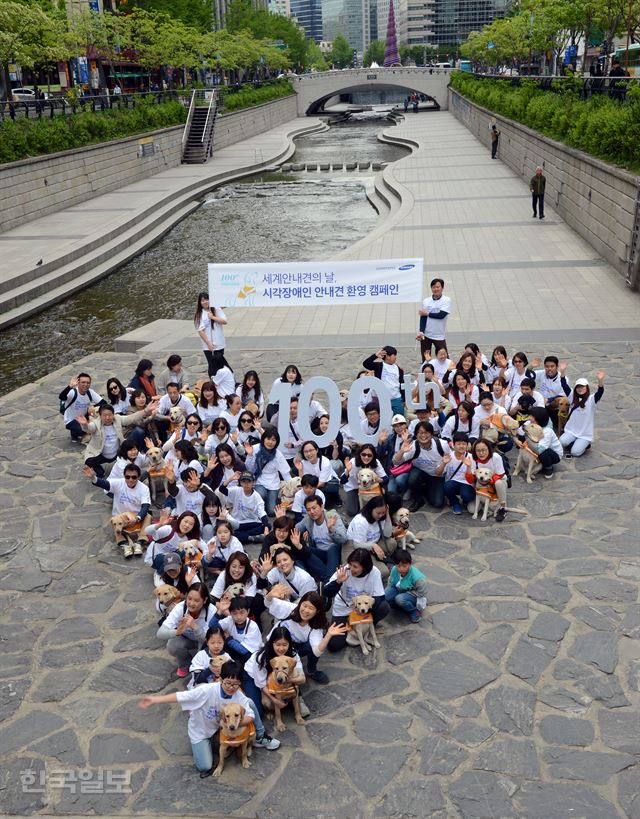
{"points": [[398, 419], [581, 382]]}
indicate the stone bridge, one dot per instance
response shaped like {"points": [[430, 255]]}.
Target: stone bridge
{"points": [[314, 90]]}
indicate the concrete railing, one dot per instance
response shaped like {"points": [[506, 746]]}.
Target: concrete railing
{"points": [[597, 200]]}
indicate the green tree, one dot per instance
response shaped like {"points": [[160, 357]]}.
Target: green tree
{"points": [[196, 14], [341, 51], [243, 15], [374, 54], [315, 58]]}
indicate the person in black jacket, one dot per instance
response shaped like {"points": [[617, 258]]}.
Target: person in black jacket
{"points": [[383, 365]]}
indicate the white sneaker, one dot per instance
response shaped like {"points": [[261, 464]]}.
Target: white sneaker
{"points": [[268, 742], [304, 708], [138, 548], [128, 550]]}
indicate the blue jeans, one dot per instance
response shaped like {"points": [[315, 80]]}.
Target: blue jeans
{"points": [[426, 486], [398, 483], [76, 429], [321, 563], [270, 498], [401, 600], [454, 490], [305, 650], [247, 530], [397, 406], [253, 692], [203, 754]]}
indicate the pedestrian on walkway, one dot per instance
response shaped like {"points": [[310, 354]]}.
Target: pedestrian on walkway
{"points": [[537, 186], [495, 137]]}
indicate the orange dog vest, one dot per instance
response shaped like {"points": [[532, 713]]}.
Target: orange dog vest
{"points": [[357, 619], [248, 731], [286, 689]]}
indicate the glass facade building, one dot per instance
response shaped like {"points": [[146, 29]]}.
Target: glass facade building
{"points": [[350, 18], [308, 15], [454, 20]]}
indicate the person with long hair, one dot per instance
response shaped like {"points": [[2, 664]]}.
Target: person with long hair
{"points": [[185, 627], [117, 396], [144, 379], [462, 420], [268, 466], [210, 405], [290, 375], [372, 530], [579, 429], [209, 322], [307, 625], [365, 458], [250, 391]]}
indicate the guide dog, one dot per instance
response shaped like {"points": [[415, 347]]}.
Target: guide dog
{"points": [[278, 684], [527, 458], [368, 486], [361, 629], [157, 472], [407, 539], [234, 736]]}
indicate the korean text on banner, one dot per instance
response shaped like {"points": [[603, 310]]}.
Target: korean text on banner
{"points": [[313, 283]]}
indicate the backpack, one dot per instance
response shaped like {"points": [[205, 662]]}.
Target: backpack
{"points": [[66, 403]]}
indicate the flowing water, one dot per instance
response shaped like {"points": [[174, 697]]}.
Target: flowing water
{"points": [[267, 218]]}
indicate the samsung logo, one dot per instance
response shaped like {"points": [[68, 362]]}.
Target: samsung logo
{"points": [[406, 267]]}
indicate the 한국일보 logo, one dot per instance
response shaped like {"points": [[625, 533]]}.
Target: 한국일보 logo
{"points": [[406, 267]]}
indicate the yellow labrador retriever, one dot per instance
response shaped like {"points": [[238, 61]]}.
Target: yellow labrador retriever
{"points": [[279, 684], [234, 736], [361, 629]]}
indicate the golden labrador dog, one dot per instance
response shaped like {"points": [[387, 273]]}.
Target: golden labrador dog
{"points": [[192, 555], [561, 403], [485, 493], [121, 522], [167, 597], [527, 457], [288, 490], [361, 629], [368, 486], [157, 472], [234, 736], [406, 539], [278, 683]]}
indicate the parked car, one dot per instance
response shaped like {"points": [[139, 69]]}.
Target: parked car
{"points": [[26, 94]]}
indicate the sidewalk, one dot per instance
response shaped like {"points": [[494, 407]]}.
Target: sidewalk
{"points": [[513, 279], [47, 259]]}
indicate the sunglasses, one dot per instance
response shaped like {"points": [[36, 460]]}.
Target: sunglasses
{"points": [[366, 455], [192, 423], [245, 420], [219, 428], [131, 477]]}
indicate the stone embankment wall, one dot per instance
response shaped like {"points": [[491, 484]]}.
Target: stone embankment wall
{"points": [[599, 201], [36, 187]]}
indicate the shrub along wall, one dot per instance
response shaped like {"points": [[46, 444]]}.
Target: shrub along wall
{"points": [[597, 200]]}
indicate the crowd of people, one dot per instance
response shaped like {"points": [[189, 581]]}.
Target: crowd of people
{"points": [[224, 482]]}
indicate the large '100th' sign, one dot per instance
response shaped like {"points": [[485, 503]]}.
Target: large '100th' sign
{"points": [[281, 395]]}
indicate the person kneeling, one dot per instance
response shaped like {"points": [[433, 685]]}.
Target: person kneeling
{"points": [[407, 587]]}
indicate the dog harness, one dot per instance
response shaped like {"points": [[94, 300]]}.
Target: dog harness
{"points": [[280, 689], [357, 619], [248, 732], [488, 491], [372, 490]]}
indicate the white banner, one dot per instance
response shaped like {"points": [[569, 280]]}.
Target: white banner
{"points": [[298, 283]]}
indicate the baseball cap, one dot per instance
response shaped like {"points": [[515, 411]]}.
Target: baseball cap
{"points": [[582, 382], [398, 419], [172, 562], [246, 476]]}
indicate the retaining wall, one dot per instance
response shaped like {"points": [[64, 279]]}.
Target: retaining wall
{"points": [[598, 200], [36, 187]]}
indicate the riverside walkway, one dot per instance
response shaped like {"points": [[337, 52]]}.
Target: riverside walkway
{"points": [[519, 693]]}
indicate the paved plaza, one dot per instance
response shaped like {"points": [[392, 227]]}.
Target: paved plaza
{"points": [[516, 697]]}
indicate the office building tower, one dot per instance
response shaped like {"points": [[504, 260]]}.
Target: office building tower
{"points": [[308, 15], [350, 18]]}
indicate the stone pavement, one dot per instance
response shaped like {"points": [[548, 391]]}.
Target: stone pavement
{"points": [[517, 696]]}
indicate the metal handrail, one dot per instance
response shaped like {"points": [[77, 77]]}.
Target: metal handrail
{"points": [[187, 125], [212, 100]]}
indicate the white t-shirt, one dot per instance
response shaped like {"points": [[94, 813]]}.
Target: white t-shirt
{"points": [[300, 497], [436, 328], [322, 469], [472, 430], [225, 552], [456, 471], [549, 387], [250, 587], [322, 536], [428, 460], [299, 581], [275, 470], [537, 397], [440, 367], [246, 508], [189, 501], [581, 421], [248, 635], [128, 498], [300, 632], [231, 419], [259, 675], [184, 403], [352, 481], [390, 377], [213, 330], [80, 403], [495, 464], [361, 531], [209, 414], [111, 444], [225, 382], [369, 584], [205, 702]]}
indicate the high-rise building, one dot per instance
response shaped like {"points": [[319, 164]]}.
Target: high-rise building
{"points": [[308, 15], [420, 23], [454, 20], [350, 18], [280, 7], [400, 9]]}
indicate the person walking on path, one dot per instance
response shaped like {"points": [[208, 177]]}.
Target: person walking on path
{"points": [[537, 186], [495, 137]]}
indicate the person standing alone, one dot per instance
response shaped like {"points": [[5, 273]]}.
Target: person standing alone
{"points": [[537, 186], [495, 137], [433, 319]]}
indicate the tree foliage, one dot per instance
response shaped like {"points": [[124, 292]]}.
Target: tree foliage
{"points": [[374, 54], [341, 51]]}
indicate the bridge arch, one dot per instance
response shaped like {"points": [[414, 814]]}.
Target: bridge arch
{"points": [[313, 90]]}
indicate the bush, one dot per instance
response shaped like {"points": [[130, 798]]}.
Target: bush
{"points": [[23, 138], [248, 95], [601, 126]]}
